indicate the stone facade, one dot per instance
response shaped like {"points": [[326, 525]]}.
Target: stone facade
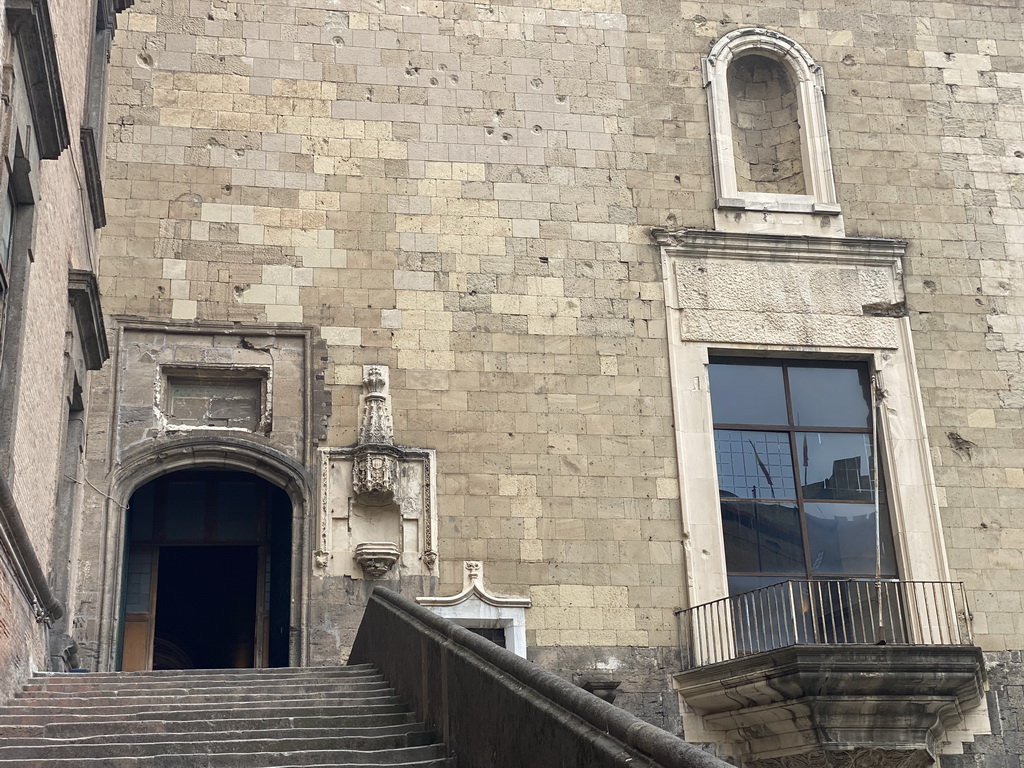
{"points": [[52, 330], [463, 196]]}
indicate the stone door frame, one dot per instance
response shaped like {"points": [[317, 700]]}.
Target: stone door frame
{"points": [[202, 452]]}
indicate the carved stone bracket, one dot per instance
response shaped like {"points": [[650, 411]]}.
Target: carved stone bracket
{"points": [[377, 558]]}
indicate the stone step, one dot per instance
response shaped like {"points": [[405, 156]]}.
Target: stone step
{"points": [[315, 718], [249, 759], [239, 695], [116, 732], [84, 714], [103, 728], [249, 742], [178, 676], [165, 688]]}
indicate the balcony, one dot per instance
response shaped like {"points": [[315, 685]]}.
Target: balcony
{"points": [[832, 671]]}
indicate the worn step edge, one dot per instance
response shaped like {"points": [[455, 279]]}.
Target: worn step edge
{"points": [[199, 698], [226, 671], [114, 736], [126, 707], [92, 680], [240, 759], [105, 727], [51, 689], [253, 742], [203, 714]]}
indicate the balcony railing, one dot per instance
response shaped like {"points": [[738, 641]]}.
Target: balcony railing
{"points": [[824, 611]]}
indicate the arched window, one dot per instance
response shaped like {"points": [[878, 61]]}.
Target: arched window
{"points": [[766, 100]]}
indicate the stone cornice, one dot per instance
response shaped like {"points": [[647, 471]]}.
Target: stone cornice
{"points": [[736, 245], [29, 21], [93, 180], [84, 297]]}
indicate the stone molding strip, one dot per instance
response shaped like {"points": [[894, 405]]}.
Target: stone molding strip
{"points": [[29, 21], [17, 546], [494, 708], [84, 295]]}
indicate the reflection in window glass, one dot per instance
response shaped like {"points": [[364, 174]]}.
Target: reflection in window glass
{"points": [[836, 465], [747, 394], [841, 538], [7, 207], [830, 396], [762, 537], [754, 465], [798, 496]]}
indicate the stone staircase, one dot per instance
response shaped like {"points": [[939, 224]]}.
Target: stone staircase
{"points": [[314, 717]]}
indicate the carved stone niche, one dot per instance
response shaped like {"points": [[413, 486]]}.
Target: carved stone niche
{"points": [[848, 706], [378, 514]]}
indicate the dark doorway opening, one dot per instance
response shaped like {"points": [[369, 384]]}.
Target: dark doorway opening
{"points": [[208, 573], [206, 608]]}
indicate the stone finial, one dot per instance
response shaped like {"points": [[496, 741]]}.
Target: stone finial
{"points": [[375, 467], [377, 427]]}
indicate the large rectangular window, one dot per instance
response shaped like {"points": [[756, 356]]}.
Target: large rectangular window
{"points": [[800, 492]]}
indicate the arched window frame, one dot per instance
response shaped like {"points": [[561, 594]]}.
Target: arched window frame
{"points": [[817, 161]]}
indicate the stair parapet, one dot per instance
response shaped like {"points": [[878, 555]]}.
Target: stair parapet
{"points": [[495, 709]]}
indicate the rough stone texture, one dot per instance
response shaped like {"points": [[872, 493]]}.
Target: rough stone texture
{"points": [[643, 673], [1005, 746], [463, 192]]}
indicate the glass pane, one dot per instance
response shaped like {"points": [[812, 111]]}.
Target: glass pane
{"points": [[762, 537], [830, 396], [6, 228], [238, 512], [140, 565], [185, 515], [747, 394], [835, 466], [754, 465], [842, 539], [141, 507]]}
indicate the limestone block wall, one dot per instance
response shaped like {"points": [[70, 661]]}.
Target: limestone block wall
{"points": [[463, 192]]}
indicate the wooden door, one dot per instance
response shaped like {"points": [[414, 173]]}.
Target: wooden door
{"points": [[140, 609]]}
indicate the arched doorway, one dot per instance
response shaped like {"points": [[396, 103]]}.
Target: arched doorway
{"points": [[207, 577]]}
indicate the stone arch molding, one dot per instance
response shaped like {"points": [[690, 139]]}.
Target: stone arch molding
{"points": [[165, 455], [820, 194], [159, 457]]}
